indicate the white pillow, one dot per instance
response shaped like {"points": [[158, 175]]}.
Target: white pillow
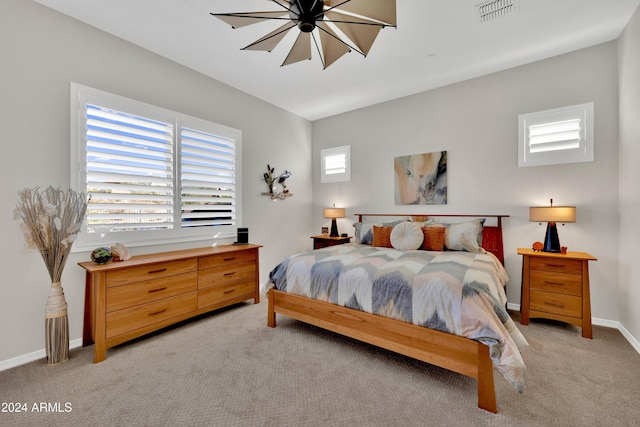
{"points": [[463, 236], [406, 236]]}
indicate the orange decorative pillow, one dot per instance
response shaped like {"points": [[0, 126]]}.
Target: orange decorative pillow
{"points": [[433, 238], [382, 237]]}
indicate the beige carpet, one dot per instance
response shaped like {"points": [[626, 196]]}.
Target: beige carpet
{"points": [[229, 369]]}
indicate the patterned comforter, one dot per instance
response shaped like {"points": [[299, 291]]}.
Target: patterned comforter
{"points": [[461, 293]]}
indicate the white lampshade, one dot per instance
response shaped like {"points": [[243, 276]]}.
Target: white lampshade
{"points": [[334, 213], [552, 214]]}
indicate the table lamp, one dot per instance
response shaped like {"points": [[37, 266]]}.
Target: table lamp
{"points": [[551, 215], [334, 213]]}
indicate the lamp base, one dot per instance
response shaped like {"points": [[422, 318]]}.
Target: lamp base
{"points": [[334, 228], [551, 240]]}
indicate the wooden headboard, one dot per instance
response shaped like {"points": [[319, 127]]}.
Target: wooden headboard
{"points": [[491, 234]]}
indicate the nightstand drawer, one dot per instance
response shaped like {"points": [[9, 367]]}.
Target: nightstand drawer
{"points": [[569, 266], [325, 241], [564, 305], [561, 283]]}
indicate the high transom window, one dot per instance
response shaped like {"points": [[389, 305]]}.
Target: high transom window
{"points": [[562, 135], [335, 164]]}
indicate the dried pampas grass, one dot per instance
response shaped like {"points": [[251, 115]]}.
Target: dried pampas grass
{"points": [[50, 221]]}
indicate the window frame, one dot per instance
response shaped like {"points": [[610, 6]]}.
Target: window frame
{"points": [[80, 96], [345, 176], [584, 152]]}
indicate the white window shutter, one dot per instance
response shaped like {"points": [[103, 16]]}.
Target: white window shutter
{"points": [[556, 136], [129, 172], [208, 178], [335, 164]]}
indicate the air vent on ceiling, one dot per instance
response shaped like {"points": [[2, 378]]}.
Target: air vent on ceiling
{"points": [[495, 9]]}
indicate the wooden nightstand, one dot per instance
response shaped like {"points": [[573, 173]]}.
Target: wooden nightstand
{"points": [[556, 286], [325, 240]]}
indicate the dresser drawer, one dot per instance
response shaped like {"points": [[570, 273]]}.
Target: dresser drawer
{"points": [[226, 258], [151, 271], [561, 283], [559, 265], [130, 319], [244, 271], [564, 305], [217, 294], [125, 296]]}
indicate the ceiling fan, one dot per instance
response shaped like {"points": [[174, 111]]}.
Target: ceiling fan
{"points": [[357, 22]]}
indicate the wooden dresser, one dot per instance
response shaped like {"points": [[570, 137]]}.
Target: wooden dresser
{"points": [[556, 286], [128, 299]]}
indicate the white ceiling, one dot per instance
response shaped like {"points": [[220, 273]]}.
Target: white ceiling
{"points": [[437, 42]]}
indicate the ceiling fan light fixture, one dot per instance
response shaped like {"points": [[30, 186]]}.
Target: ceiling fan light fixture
{"points": [[306, 13], [358, 22]]}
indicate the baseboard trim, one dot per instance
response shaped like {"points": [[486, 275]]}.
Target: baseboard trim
{"points": [[33, 356], [632, 340]]}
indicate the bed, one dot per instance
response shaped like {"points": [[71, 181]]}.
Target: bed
{"points": [[443, 307]]}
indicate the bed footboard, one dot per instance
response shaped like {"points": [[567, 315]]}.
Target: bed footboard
{"points": [[448, 351]]}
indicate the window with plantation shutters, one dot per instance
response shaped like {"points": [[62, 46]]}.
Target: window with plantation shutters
{"points": [[335, 164], [151, 175], [563, 135]]}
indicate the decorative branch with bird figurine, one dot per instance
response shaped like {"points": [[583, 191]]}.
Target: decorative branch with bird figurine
{"points": [[272, 180]]}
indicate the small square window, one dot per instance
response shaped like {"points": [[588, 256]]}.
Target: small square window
{"points": [[563, 135], [335, 164]]}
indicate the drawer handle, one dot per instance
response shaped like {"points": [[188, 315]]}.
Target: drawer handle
{"points": [[231, 291], [229, 259], [230, 274], [555, 265], [158, 271], [553, 283], [157, 290], [157, 312], [554, 304]]}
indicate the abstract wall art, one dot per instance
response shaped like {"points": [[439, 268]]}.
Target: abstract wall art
{"points": [[421, 179]]}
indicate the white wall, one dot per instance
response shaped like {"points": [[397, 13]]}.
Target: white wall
{"points": [[629, 69], [476, 123], [41, 52]]}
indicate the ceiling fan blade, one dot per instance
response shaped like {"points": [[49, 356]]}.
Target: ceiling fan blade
{"points": [[358, 30], [237, 20], [283, 3], [380, 10], [332, 47], [301, 49], [271, 40]]}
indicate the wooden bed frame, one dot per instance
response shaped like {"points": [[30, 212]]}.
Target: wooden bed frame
{"points": [[455, 353]]}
